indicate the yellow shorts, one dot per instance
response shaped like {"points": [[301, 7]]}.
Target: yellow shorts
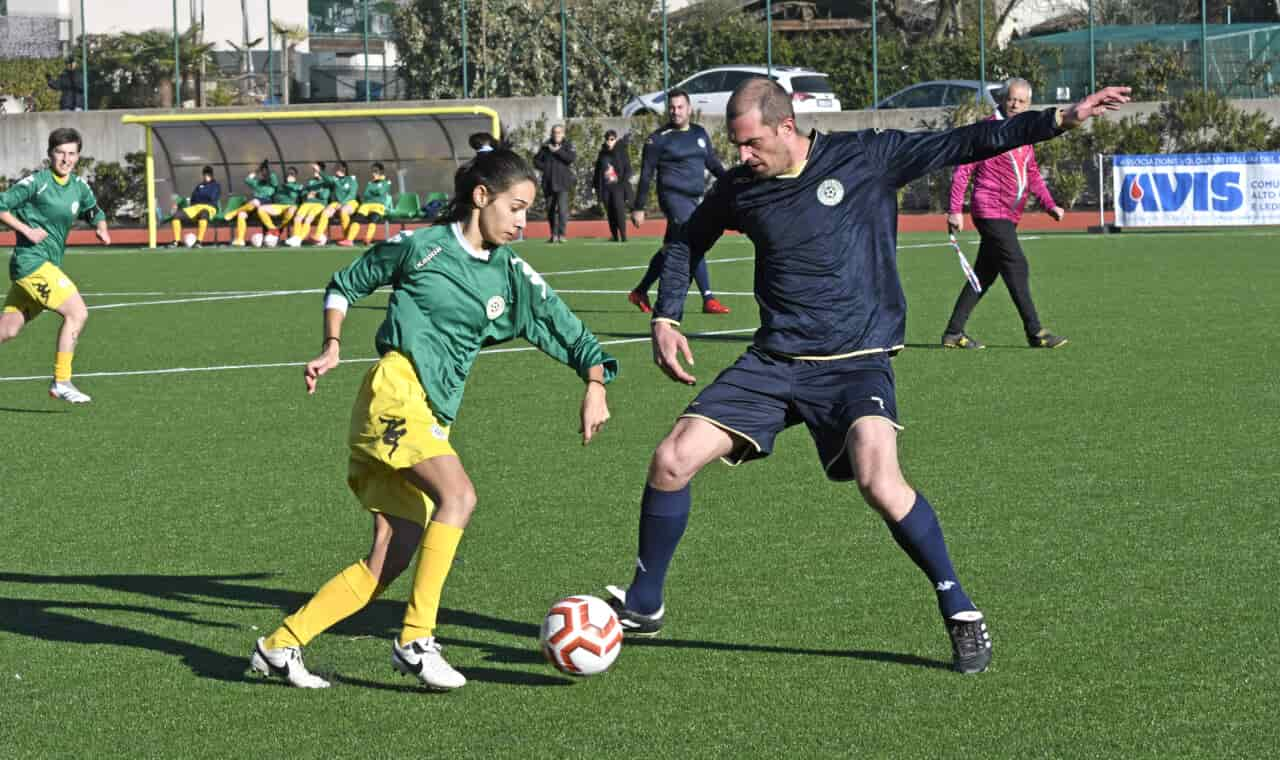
{"points": [[199, 210], [309, 209], [46, 288], [335, 207], [392, 427], [372, 208], [244, 208]]}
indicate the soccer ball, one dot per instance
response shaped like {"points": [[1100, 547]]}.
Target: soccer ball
{"points": [[581, 635], [189, 239], [256, 240], [271, 240]]}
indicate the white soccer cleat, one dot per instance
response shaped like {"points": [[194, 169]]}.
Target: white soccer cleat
{"points": [[320, 240], [294, 242], [422, 659], [68, 392], [285, 663], [237, 243]]}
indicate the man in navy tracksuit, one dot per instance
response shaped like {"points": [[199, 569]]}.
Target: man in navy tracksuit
{"points": [[678, 154], [821, 210]]}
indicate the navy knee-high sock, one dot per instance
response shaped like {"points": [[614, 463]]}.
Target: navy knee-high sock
{"points": [[663, 517], [920, 536], [651, 274]]}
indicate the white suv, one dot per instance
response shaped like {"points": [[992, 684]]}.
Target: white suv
{"points": [[709, 90]]}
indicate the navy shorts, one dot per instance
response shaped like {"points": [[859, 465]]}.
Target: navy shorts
{"points": [[762, 394]]}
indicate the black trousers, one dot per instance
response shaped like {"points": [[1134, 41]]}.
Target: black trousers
{"points": [[557, 211], [999, 255], [614, 201]]}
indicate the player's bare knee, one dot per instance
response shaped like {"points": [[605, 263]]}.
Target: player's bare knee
{"points": [[10, 325], [459, 502], [669, 470]]}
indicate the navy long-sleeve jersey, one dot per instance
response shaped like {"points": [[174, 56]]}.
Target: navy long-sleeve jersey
{"points": [[678, 157], [826, 274], [206, 192]]}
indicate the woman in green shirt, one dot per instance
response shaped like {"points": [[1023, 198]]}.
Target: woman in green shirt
{"points": [[456, 286]]}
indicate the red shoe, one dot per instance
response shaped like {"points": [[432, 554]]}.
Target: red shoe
{"points": [[640, 300], [345, 243], [712, 306]]}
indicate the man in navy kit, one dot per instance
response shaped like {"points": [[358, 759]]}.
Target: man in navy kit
{"points": [[678, 153], [821, 210]]}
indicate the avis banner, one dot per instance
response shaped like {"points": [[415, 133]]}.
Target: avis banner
{"points": [[1201, 189]]}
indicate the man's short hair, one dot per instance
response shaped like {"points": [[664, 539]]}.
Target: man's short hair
{"points": [[764, 95], [677, 93], [62, 136], [1012, 82], [207, 170]]}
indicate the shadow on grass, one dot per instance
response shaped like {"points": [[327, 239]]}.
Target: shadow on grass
{"points": [[70, 622], [854, 654], [14, 410]]}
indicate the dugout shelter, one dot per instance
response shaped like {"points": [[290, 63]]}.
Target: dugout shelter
{"points": [[421, 148]]}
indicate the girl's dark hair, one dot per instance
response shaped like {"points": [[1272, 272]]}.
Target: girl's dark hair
{"points": [[319, 164], [498, 170], [378, 167], [291, 170], [265, 166], [207, 170], [343, 166], [611, 133], [62, 136]]}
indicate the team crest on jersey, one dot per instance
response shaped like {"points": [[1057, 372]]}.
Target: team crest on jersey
{"points": [[702, 143], [494, 308], [830, 192], [75, 207]]}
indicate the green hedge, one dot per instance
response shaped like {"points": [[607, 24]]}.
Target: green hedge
{"points": [[29, 77]]}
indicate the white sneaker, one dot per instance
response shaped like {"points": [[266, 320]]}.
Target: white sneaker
{"points": [[422, 659], [68, 392], [320, 240], [285, 663], [237, 243], [294, 242]]}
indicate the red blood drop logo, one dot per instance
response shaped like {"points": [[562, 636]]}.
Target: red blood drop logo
{"points": [[1135, 190]]}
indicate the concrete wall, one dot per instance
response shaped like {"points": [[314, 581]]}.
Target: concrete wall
{"points": [[23, 137]]}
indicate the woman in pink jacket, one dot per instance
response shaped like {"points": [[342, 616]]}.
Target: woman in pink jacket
{"points": [[1000, 186]]}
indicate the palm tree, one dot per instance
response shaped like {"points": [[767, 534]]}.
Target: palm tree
{"points": [[290, 36], [152, 53]]}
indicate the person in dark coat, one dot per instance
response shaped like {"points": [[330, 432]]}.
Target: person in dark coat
{"points": [[70, 85], [555, 160], [612, 182]]}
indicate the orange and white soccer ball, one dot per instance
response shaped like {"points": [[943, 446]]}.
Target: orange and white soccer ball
{"points": [[581, 635]]}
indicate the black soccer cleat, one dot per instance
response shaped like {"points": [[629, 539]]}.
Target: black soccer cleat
{"points": [[970, 642], [1046, 339], [960, 340], [634, 623]]}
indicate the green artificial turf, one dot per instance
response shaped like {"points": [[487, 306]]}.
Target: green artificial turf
{"points": [[1111, 505]]}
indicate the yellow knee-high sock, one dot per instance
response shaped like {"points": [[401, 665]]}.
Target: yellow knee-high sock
{"points": [[322, 227], [344, 217], [265, 218], [177, 230], [242, 226], [201, 226], [368, 234], [352, 231], [438, 547], [62, 366], [343, 596]]}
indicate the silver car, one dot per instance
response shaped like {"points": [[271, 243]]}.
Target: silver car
{"points": [[941, 93], [709, 90]]}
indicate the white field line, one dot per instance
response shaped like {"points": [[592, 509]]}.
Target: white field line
{"points": [[362, 360], [230, 295]]}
